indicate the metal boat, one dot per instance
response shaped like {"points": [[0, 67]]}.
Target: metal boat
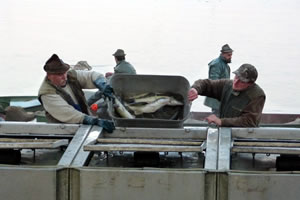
{"points": [[193, 161]]}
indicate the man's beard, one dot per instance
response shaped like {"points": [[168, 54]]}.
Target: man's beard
{"points": [[228, 60]]}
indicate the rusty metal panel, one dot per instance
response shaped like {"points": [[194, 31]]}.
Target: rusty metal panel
{"points": [[263, 186], [128, 184], [28, 183]]}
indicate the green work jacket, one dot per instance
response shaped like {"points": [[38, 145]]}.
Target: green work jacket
{"points": [[218, 69], [124, 67]]}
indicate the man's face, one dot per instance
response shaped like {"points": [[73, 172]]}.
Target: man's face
{"points": [[238, 85], [227, 57], [58, 79]]}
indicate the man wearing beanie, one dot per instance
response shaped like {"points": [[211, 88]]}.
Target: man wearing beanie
{"points": [[241, 99], [219, 69], [62, 96]]}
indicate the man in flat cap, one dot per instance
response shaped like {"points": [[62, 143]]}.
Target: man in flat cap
{"points": [[241, 99], [219, 69], [62, 96], [122, 65]]}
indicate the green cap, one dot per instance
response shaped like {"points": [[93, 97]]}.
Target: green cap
{"points": [[246, 73]]}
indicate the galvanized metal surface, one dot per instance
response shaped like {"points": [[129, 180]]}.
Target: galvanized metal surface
{"points": [[146, 184], [126, 85], [224, 149], [82, 156], [211, 157], [263, 186], [74, 145], [28, 183]]}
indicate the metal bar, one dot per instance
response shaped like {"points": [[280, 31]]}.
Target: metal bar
{"points": [[160, 133], [37, 128], [224, 148], [267, 150], [147, 141], [82, 156], [267, 133], [142, 147], [74, 145], [211, 155]]}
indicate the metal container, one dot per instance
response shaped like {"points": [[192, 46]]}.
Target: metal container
{"points": [[130, 85]]}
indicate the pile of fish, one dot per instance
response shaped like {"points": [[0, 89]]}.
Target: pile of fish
{"points": [[149, 105]]}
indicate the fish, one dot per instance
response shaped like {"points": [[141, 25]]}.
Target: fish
{"points": [[154, 106], [120, 108]]}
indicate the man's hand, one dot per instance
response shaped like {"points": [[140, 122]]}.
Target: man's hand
{"points": [[106, 125], [214, 119], [193, 94]]}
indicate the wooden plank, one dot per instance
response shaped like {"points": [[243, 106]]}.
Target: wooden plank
{"points": [[37, 128], [267, 150], [197, 133], [267, 144], [26, 140], [141, 147], [33, 145], [267, 133], [147, 141]]}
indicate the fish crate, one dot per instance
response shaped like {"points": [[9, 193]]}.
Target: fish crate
{"points": [[130, 85]]}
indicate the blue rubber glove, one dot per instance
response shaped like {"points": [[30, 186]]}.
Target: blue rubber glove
{"points": [[107, 90], [90, 120], [106, 125]]}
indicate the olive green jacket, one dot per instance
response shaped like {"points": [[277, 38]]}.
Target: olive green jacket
{"points": [[124, 67], [239, 109], [218, 69]]}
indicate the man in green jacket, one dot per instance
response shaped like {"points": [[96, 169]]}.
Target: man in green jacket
{"points": [[219, 69], [122, 67], [241, 100]]}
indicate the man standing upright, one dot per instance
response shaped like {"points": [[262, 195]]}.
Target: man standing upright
{"points": [[219, 69]]}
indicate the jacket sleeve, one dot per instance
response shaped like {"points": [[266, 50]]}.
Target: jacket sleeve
{"points": [[210, 88], [251, 115], [87, 78], [61, 110]]}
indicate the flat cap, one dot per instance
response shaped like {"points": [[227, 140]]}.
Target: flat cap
{"points": [[55, 65], [246, 73]]}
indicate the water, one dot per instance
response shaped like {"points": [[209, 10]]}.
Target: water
{"points": [[170, 37]]}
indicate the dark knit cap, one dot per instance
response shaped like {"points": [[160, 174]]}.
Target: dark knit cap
{"points": [[55, 65]]}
